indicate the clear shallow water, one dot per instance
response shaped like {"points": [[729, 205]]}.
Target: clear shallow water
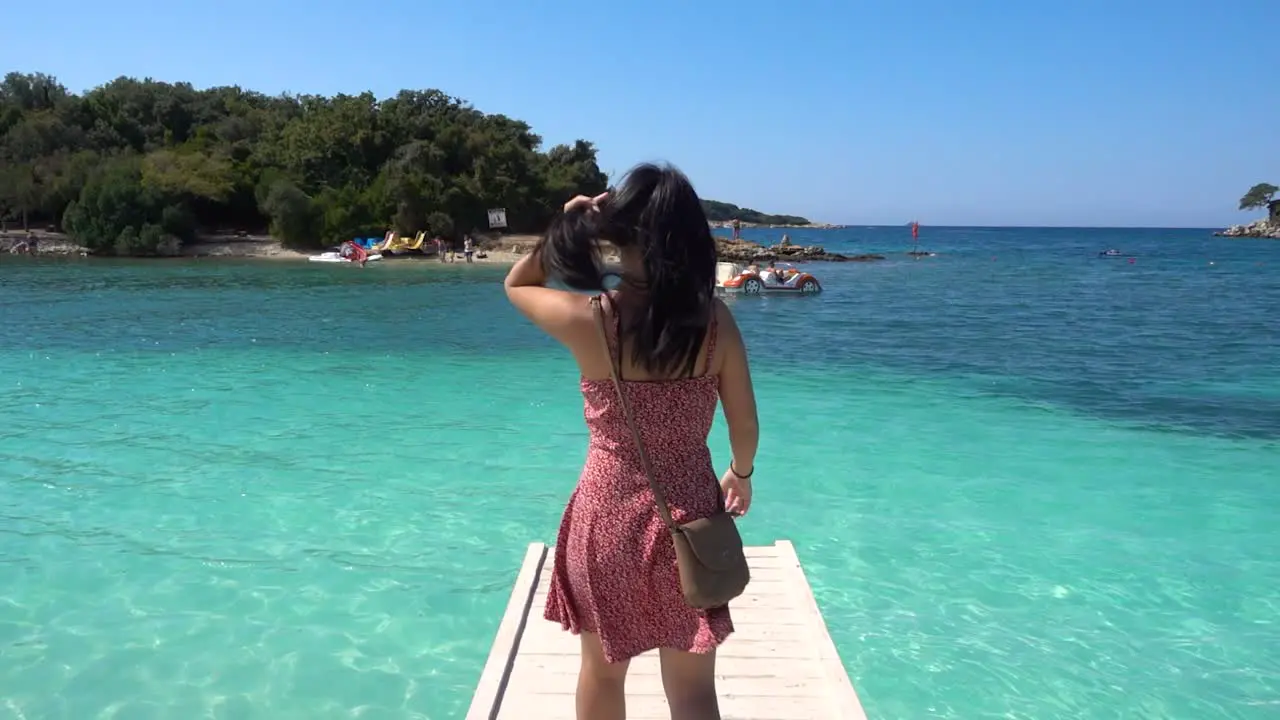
{"points": [[1025, 482]]}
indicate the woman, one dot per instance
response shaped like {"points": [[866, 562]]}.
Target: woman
{"points": [[676, 349]]}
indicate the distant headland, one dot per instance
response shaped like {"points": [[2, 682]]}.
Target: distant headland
{"points": [[723, 214], [1260, 196]]}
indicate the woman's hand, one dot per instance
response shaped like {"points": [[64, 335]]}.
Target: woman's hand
{"points": [[582, 202], [737, 493]]}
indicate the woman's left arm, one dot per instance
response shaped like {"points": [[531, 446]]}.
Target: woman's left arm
{"points": [[559, 313]]}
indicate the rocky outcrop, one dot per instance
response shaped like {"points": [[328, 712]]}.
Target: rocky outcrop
{"points": [[728, 250], [1256, 229], [742, 251], [46, 242]]}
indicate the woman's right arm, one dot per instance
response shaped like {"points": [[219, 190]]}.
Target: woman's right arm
{"points": [[737, 396]]}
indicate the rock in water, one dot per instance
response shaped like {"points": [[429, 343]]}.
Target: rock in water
{"points": [[1255, 229], [742, 251]]}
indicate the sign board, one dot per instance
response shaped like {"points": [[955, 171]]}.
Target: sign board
{"points": [[498, 218]]}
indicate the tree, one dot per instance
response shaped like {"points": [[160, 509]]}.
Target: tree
{"points": [[19, 192], [114, 209], [1259, 196]]}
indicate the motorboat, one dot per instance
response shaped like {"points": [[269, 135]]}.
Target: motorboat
{"points": [[776, 278], [1111, 253]]}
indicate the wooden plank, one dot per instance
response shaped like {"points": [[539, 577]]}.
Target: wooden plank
{"points": [[841, 686], [781, 598], [560, 707], [780, 663], [487, 701]]}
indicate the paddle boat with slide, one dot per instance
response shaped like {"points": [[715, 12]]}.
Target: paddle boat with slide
{"points": [[776, 279]]}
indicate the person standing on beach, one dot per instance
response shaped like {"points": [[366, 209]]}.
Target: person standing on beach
{"points": [[468, 248], [675, 349]]}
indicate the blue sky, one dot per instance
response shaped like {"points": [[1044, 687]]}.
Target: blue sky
{"points": [[973, 112]]}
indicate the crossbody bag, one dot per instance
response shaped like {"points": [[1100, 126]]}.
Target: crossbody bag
{"points": [[709, 553]]}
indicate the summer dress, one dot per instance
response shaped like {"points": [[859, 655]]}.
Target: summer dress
{"points": [[615, 568]]}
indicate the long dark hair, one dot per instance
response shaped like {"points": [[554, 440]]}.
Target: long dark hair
{"points": [[656, 211]]}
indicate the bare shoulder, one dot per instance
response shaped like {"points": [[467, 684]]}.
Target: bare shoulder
{"points": [[727, 326], [729, 344], [566, 316], [578, 314]]}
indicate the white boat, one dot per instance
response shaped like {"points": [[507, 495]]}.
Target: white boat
{"points": [[348, 252], [336, 257]]}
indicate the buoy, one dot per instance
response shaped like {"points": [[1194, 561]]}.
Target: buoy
{"points": [[1132, 261]]}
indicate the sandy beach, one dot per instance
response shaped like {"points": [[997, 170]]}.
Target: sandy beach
{"points": [[504, 250]]}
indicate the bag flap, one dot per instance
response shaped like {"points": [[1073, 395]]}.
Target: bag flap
{"points": [[715, 541]]}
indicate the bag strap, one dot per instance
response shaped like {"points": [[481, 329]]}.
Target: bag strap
{"points": [[614, 369]]}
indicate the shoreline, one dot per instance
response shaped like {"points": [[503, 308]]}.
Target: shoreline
{"points": [[497, 250], [257, 247], [728, 225]]}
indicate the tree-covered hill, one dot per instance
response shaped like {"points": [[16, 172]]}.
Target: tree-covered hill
{"points": [[137, 167], [724, 212]]}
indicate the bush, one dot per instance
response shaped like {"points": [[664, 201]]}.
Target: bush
{"points": [[440, 224], [177, 221], [294, 216], [150, 240]]}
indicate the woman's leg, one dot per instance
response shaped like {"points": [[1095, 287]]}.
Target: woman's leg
{"points": [[689, 680], [601, 684]]}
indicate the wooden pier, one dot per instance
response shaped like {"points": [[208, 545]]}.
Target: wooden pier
{"points": [[779, 664]]}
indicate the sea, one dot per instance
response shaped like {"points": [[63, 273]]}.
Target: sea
{"points": [[1025, 481]]}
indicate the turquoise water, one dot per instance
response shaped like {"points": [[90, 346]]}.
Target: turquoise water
{"points": [[1025, 482]]}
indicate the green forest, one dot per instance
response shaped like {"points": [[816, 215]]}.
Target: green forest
{"points": [[140, 167], [724, 212]]}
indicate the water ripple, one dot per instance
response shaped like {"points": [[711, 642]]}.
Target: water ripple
{"points": [[1025, 482]]}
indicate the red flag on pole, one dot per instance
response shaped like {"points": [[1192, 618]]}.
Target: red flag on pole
{"points": [[915, 230]]}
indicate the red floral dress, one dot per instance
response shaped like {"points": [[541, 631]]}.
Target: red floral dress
{"points": [[615, 568]]}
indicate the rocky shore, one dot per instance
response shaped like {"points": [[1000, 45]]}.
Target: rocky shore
{"points": [[743, 251], [47, 243], [1256, 229], [50, 243], [728, 250]]}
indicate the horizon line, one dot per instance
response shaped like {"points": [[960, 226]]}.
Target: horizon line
{"points": [[1213, 228]]}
